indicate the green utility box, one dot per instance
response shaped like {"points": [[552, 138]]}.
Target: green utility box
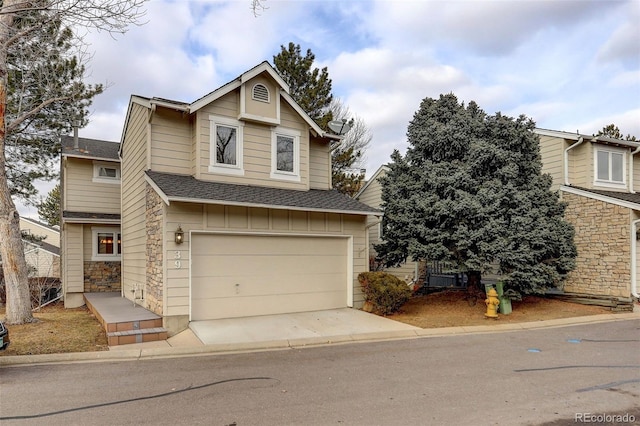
{"points": [[505, 302]]}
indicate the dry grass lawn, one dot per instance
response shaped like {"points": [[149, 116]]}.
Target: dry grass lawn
{"points": [[450, 309], [60, 330]]}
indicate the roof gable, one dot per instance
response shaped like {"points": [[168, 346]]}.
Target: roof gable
{"points": [[382, 170]]}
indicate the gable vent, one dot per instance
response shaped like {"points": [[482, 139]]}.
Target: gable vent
{"points": [[260, 93]]}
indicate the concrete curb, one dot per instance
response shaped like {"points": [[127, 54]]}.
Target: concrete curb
{"points": [[170, 352]]}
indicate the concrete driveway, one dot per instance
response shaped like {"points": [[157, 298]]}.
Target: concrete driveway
{"points": [[337, 324]]}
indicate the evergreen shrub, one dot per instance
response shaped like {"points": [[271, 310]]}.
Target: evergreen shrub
{"points": [[386, 292]]}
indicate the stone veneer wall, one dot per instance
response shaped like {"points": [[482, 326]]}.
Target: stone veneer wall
{"points": [[102, 277], [155, 232], [603, 265]]}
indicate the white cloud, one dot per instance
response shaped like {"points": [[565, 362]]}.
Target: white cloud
{"points": [[567, 64]]}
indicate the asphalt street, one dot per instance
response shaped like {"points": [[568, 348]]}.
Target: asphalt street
{"points": [[563, 375]]}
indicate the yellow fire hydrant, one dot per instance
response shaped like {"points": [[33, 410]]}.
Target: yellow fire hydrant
{"points": [[492, 302]]}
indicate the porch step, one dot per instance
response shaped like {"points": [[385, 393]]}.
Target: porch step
{"points": [[124, 322], [116, 338]]}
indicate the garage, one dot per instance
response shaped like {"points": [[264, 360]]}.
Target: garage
{"points": [[240, 275]]}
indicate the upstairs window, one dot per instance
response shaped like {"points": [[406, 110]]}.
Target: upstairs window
{"points": [[106, 172], [610, 167], [226, 146], [260, 93], [226, 143], [285, 154]]}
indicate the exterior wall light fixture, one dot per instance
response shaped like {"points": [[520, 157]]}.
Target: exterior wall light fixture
{"points": [[179, 235]]}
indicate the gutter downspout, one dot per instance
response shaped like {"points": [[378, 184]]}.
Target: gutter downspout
{"points": [[566, 160], [366, 235], [631, 169], [634, 251]]}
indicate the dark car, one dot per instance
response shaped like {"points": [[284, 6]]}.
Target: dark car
{"points": [[4, 336]]}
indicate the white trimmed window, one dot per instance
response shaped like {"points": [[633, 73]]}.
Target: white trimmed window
{"points": [[285, 154], [226, 146], [106, 172], [106, 244], [610, 167]]}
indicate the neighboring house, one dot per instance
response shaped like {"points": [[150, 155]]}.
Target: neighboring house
{"points": [[90, 205], [227, 208], [597, 177], [43, 257], [371, 194]]}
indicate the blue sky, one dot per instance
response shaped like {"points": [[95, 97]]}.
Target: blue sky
{"points": [[568, 64]]}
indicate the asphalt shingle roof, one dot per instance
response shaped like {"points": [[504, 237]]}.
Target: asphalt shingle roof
{"points": [[91, 148], [624, 196], [86, 215], [187, 188]]}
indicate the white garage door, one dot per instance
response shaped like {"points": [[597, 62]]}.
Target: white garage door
{"points": [[248, 275]]}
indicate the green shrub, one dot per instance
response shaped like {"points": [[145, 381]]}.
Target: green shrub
{"points": [[386, 292]]}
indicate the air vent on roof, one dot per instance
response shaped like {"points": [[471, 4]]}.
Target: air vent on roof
{"points": [[261, 93]]}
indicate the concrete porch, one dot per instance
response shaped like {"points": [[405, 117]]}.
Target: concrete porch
{"points": [[124, 322]]}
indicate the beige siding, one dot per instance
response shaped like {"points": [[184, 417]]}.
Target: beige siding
{"points": [[134, 163], [72, 268], [83, 195], [552, 154], [51, 235], [214, 218], [319, 164], [636, 172], [258, 108], [256, 146], [41, 263], [171, 148], [581, 166], [372, 196]]}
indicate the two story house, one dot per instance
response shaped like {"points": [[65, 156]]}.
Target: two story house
{"points": [[90, 223], [226, 209], [597, 177]]}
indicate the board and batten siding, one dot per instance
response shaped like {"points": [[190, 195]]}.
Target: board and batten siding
{"points": [[212, 218], [134, 164], [83, 195]]}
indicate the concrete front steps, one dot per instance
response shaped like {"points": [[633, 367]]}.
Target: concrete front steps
{"points": [[125, 322]]}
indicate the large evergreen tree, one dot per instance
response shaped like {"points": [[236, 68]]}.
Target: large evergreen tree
{"points": [[470, 190], [42, 94], [347, 154], [311, 89], [49, 208], [613, 131]]}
